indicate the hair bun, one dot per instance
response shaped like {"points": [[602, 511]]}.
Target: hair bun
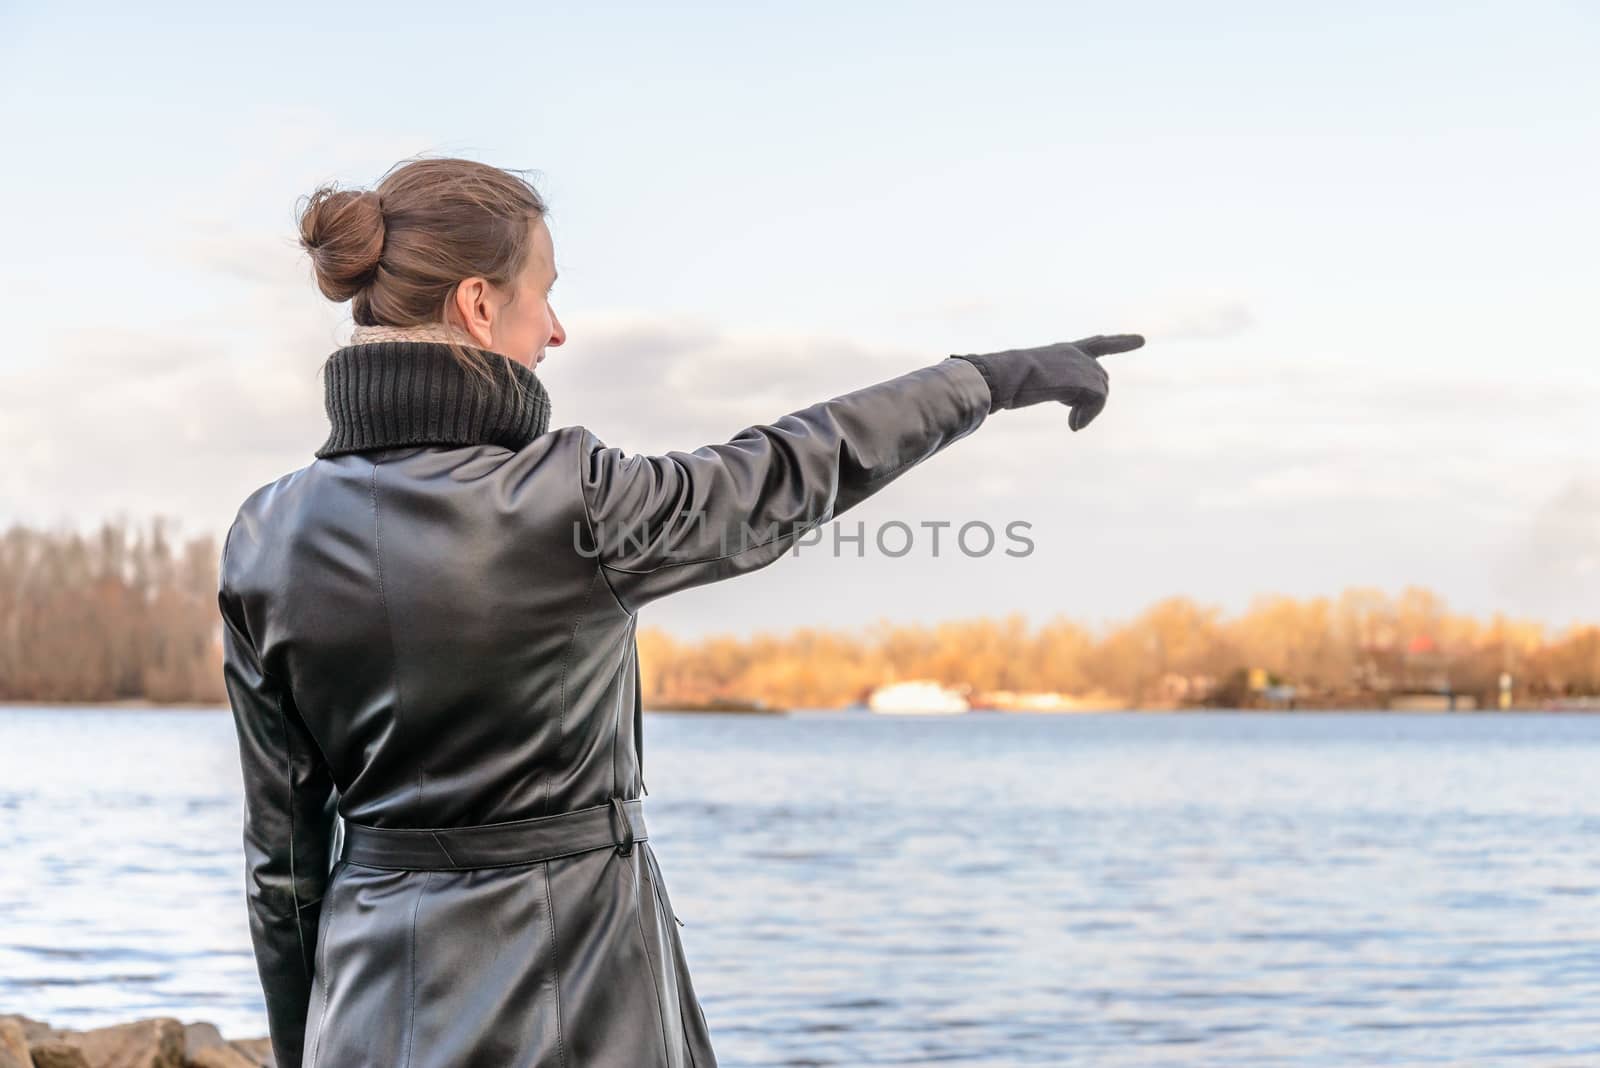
{"points": [[343, 231]]}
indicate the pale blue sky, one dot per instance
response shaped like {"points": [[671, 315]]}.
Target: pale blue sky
{"points": [[1360, 241]]}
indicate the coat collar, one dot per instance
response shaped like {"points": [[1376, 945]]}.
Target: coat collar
{"points": [[383, 394]]}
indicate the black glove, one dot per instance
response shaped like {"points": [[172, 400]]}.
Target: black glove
{"points": [[1068, 372]]}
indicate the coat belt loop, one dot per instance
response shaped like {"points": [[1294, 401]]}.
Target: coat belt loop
{"points": [[624, 838]]}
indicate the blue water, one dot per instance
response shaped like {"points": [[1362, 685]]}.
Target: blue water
{"points": [[1119, 889]]}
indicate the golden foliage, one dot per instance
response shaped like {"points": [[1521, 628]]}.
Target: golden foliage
{"points": [[120, 615], [1347, 649], [130, 615]]}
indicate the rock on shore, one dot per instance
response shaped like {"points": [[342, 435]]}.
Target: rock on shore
{"points": [[158, 1042]]}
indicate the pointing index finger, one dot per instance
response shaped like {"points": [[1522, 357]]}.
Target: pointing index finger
{"points": [[1107, 344]]}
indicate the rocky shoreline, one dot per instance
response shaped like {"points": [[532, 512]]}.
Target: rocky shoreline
{"points": [[156, 1042]]}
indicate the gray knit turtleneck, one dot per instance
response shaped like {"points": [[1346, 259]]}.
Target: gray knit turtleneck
{"points": [[404, 386]]}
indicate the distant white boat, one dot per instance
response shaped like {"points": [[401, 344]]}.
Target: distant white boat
{"points": [[916, 697]]}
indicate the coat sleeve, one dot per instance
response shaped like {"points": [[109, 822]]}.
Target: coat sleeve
{"points": [[289, 818], [681, 519]]}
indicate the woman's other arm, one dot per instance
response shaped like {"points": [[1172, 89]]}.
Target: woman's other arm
{"points": [[289, 816]]}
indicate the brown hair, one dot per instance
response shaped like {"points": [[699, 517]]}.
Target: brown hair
{"points": [[398, 252]]}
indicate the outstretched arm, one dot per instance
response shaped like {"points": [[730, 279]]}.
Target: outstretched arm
{"points": [[683, 519]]}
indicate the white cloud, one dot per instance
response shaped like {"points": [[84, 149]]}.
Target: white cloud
{"points": [[1552, 562]]}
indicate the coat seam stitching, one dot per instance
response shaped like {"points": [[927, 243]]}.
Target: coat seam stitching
{"points": [[656, 888], [566, 662], [411, 1024], [288, 780], [388, 619], [555, 962], [321, 973], [616, 714], [644, 944], [588, 522]]}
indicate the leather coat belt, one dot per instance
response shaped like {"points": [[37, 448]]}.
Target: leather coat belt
{"points": [[617, 823]]}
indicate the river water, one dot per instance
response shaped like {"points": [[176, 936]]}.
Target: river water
{"points": [[1109, 889]]}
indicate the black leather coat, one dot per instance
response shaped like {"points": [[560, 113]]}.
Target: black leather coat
{"points": [[419, 633]]}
